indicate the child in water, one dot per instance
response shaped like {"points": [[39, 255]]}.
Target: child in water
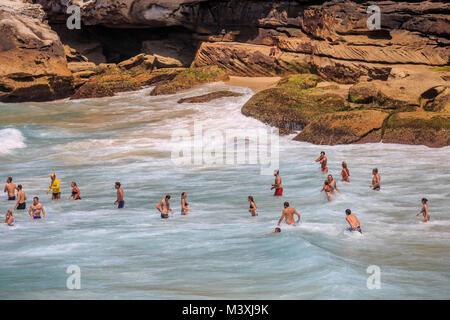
{"points": [[9, 218]]}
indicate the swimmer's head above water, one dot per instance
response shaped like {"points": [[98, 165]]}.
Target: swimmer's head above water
{"points": [[286, 204], [348, 212], [277, 230]]}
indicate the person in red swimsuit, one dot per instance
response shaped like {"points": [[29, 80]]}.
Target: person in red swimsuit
{"points": [[323, 162], [277, 184]]}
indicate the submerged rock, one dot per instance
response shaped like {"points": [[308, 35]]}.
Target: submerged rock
{"points": [[189, 78], [210, 96]]}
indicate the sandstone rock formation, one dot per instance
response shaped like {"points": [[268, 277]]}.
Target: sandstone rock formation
{"points": [[33, 65], [209, 97]]}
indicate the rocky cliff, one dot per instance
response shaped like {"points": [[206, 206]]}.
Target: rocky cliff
{"points": [[33, 64]]}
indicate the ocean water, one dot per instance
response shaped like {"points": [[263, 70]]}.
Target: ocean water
{"points": [[218, 251]]}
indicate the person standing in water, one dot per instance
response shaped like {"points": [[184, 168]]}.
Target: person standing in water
{"points": [[184, 204], [54, 186], [332, 183], [10, 188], [10, 218], [329, 191], [376, 180], [424, 211], [253, 206], [288, 214], [352, 221], [323, 162], [21, 198], [277, 184], [119, 202], [345, 173], [35, 209], [164, 206], [75, 191]]}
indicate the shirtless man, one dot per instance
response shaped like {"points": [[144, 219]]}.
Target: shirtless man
{"points": [[54, 187], [10, 187], [277, 184], [288, 214], [119, 202], [10, 219], [164, 206], [376, 180], [21, 197], [323, 162], [352, 221], [35, 209]]}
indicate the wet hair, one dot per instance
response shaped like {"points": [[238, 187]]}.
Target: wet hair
{"points": [[167, 196], [9, 179], [375, 170], [326, 183], [251, 198], [37, 198], [19, 187], [183, 193], [10, 212], [74, 183], [277, 171], [322, 152], [286, 204], [118, 184], [348, 211], [424, 200], [344, 164], [278, 229]]}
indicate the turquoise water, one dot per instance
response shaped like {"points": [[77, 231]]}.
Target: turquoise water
{"points": [[218, 251]]}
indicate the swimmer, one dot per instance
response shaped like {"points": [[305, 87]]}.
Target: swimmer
{"points": [[352, 221], [75, 191], [253, 206], [332, 183], [288, 214], [277, 184], [323, 162], [277, 230], [328, 190], [345, 173], [424, 211], [164, 206], [10, 219], [10, 187], [21, 198], [56, 191], [184, 204], [376, 180], [119, 202], [35, 209]]}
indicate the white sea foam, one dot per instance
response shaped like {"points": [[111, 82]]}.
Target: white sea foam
{"points": [[10, 140]]}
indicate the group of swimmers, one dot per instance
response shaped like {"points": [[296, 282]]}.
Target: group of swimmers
{"points": [[163, 206]]}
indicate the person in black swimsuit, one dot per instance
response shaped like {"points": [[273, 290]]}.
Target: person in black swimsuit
{"points": [[75, 191], [253, 206]]}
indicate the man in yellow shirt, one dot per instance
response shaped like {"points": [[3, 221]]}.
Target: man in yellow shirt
{"points": [[56, 191]]}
